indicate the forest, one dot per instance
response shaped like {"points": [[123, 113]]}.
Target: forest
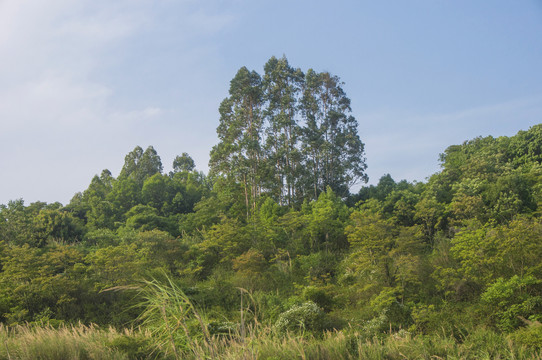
{"points": [[271, 256]]}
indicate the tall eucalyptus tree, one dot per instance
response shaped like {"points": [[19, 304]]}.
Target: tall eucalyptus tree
{"points": [[282, 86], [238, 155], [288, 135], [332, 150]]}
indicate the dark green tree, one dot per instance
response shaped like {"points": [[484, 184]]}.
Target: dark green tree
{"points": [[140, 165], [183, 163]]}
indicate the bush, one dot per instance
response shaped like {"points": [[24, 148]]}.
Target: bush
{"points": [[307, 316], [223, 328], [511, 299], [320, 296], [134, 347], [530, 336]]}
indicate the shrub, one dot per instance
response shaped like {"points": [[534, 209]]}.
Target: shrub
{"points": [[320, 296], [529, 336], [134, 347], [307, 316]]}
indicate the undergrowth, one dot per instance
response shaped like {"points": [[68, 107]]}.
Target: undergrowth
{"points": [[89, 342], [171, 327]]}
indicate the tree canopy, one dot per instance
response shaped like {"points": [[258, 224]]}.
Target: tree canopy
{"points": [[288, 135]]}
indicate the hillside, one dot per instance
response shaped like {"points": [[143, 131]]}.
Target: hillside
{"points": [[291, 251]]}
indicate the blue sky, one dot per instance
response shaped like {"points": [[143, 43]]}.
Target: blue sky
{"points": [[83, 82]]}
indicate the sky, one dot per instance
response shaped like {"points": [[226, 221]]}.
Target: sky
{"points": [[82, 83]]}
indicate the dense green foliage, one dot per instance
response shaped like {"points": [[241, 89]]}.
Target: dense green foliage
{"points": [[274, 225]]}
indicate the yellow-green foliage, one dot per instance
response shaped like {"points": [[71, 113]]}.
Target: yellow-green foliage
{"points": [[530, 336]]}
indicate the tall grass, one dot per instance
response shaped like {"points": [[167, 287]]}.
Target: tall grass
{"points": [[483, 344], [69, 342], [260, 342], [173, 321]]}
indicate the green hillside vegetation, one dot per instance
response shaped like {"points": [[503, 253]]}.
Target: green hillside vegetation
{"points": [[271, 256]]}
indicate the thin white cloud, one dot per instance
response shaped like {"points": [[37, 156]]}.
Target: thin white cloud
{"points": [[53, 100], [207, 23], [130, 117], [525, 110]]}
